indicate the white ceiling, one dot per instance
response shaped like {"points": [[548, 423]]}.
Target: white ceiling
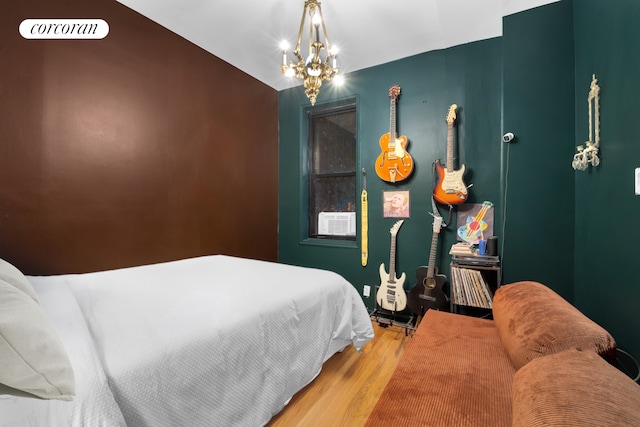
{"points": [[368, 32]]}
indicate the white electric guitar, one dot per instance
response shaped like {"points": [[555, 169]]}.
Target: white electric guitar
{"points": [[391, 295]]}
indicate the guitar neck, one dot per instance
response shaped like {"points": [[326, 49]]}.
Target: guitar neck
{"points": [[449, 147], [392, 123], [481, 213], [392, 260], [432, 255]]}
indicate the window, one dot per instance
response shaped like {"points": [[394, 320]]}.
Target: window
{"points": [[332, 152]]}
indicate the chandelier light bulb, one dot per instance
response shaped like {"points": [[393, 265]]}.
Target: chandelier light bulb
{"points": [[284, 46], [333, 53]]}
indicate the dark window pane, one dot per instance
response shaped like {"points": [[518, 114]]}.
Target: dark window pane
{"points": [[335, 194], [332, 169], [336, 150]]}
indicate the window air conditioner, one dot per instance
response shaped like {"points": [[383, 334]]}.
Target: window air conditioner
{"points": [[337, 223]]}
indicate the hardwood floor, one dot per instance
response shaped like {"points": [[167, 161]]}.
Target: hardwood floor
{"points": [[348, 387]]}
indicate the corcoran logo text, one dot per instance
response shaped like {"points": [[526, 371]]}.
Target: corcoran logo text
{"points": [[64, 28]]}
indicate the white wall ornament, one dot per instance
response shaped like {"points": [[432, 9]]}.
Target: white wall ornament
{"points": [[589, 155]]}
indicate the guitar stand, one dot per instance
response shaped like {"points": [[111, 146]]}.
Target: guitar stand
{"points": [[401, 319]]}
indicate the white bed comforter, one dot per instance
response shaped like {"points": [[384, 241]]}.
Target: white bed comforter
{"points": [[94, 404], [213, 341]]}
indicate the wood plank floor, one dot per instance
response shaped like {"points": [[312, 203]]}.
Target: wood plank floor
{"points": [[347, 388]]}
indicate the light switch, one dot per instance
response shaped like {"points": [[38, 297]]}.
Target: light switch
{"points": [[637, 181]]}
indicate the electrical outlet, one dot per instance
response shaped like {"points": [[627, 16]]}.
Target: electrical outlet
{"points": [[366, 291]]}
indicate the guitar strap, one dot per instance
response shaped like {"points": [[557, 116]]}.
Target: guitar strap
{"points": [[434, 174], [434, 205], [365, 220], [436, 212]]}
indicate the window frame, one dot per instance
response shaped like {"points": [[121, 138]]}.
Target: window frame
{"points": [[346, 104]]}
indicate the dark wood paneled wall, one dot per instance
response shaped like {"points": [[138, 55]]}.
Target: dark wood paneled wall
{"points": [[137, 148]]}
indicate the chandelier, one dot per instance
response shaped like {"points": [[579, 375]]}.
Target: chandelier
{"points": [[313, 69]]}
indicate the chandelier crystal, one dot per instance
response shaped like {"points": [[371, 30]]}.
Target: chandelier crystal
{"points": [[312, 69]]}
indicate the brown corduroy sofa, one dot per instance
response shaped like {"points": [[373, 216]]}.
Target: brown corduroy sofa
{"points": [[539, 362]]}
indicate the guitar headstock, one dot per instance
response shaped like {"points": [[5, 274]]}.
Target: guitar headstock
{"points": [[451, 116], [396, 227], [394, 92], [437, 224], [487, 204]]}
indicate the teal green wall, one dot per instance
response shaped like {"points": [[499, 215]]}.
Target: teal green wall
{"points": [[538, 107], [571, 230], [467, 75], [607, 287]]}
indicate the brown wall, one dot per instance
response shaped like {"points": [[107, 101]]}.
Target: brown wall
{"points": [[137, 148]]}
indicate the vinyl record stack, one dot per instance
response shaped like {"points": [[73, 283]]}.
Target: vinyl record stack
{"points": [[470, 288]]}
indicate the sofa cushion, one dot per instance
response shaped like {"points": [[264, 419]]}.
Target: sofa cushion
{"points": [[533, 321], [574, 388], [453, 372]]}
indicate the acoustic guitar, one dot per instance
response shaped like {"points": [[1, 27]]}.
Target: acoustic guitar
{"points": [[394, 162], [427, 292], [391, 295], [450, 188]]}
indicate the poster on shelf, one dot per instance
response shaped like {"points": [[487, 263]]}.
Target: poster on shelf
{"points": [[475, 222]]}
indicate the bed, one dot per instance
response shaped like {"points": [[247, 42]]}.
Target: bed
{"points": [[213, 340]]}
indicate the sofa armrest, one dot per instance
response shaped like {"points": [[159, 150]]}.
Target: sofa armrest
{"points": [[574, 388], [532, 321]]}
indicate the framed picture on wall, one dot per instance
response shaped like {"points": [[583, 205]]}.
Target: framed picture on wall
{"points": [[396, 204]]}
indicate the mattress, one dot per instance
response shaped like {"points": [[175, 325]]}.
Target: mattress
{"points": [[213, 340]]}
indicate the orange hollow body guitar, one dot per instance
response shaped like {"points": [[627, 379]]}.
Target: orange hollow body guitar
{"points": [[394, 162], [450, 188]]}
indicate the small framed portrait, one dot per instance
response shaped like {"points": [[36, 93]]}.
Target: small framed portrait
{"points": [[396, 204]]}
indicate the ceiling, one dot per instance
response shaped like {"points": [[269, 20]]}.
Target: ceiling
{"points": [[368, 32]]}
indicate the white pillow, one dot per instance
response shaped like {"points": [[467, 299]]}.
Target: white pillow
{"points": [[10, 274], [32, 357]]}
